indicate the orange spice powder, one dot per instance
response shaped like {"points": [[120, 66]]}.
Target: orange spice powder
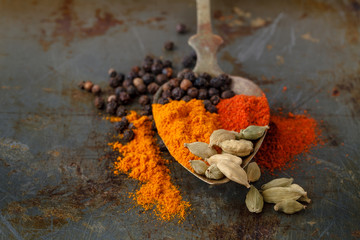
{"points": [[180, 122], [140, 159]]}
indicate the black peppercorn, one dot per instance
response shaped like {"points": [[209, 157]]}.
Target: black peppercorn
{"points": [[166, 86], [144, 99], [121, 111], [137, 82], [217, 82], [213, 92], [190, 75], [128, 135], [96, 89], [185, 84], [132, 75], [227, 94], [177, 93], [201, 83], [174, 82], [181, 28], [156, 68], [141, 73], [161, 79], [181, 74], [215, 99], [163, 101], [99, 102], [167, 63], [147, 66], [152, 88], [166, 94], [186, 98], [121, 125], [88, 86], [189, 61], [211, 108], [203, 94], [206, 76], [118, 90], [111, 98], [131, 90], [112, 72], [167, 71], [111, 107], [141, 88], [135, 69], [169, 45], [225, 78], [124, 98], [127, 83], [193, 92], [148, 78]]}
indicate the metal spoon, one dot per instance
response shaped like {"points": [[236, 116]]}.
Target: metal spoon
{"points": [[206, 44]]}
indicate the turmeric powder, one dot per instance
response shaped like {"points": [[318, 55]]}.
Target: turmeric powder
{"points": [[140, 159], [179, 122]]}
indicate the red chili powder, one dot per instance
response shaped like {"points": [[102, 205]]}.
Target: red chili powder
{"points": [[287, 137], [240, 111]]}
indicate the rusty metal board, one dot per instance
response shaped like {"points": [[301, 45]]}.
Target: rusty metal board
{"points": [[55, 177]]}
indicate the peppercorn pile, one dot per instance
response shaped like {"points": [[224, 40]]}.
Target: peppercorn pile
{"points": [[142, 82]]}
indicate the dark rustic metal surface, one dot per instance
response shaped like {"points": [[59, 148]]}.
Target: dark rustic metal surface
{"points": [[55, 181]]}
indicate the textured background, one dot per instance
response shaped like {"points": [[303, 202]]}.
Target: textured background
{"points": [[55, 181]]}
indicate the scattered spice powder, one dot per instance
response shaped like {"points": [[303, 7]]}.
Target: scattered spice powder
{"points": [[140, 159], [240, 111], [179, 122], [287, 137]]}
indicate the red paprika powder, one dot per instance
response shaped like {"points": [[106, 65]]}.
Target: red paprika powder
{"points": [[240, 111]]}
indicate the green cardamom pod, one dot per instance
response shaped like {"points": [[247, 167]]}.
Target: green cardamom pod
{"points": [[213, 172], [254, 201], [279, 194], [219, 136], [214, 159], [253, 132], [233, 172], [199, 166], [240, 147], [278, 182], [253, 172], [302, 198], [200, 149], [289, 206]]}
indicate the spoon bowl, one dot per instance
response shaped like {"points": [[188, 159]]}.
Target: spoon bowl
{"points": [[206, 44]]}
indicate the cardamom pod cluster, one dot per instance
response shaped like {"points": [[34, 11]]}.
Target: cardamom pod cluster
{"points": [[285, 194], [226, 161]]}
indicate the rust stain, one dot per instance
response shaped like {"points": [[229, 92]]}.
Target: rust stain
{"points": [[68, 26], [101, 26]]}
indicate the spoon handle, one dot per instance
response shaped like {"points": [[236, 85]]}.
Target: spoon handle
{"points": [[205, 43]]}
